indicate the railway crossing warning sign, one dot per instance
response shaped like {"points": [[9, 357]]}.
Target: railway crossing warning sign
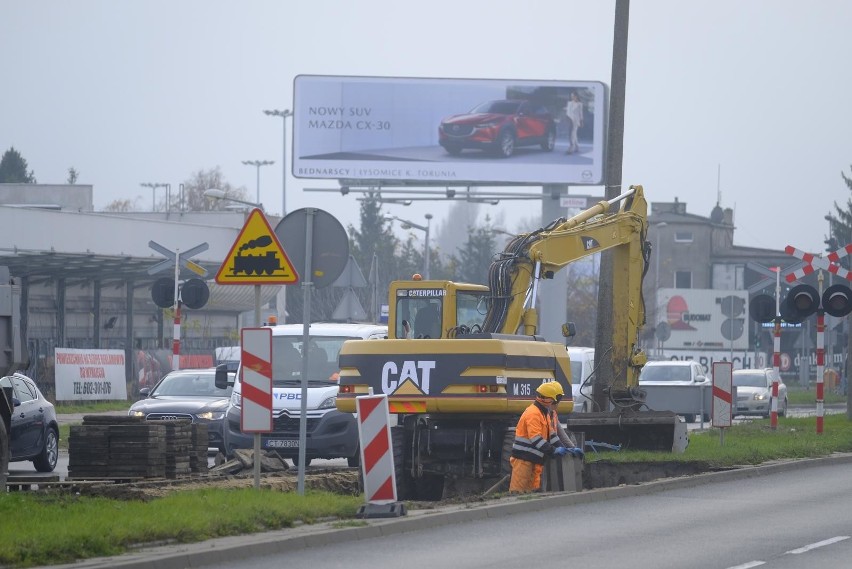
{"points": [[257, 256], [256, 356]]}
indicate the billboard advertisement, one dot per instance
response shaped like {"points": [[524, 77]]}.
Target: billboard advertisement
{"points": [[449, 131], [704, 319]]}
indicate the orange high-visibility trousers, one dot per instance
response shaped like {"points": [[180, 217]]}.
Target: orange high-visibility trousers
{"points": [[526, 476]]}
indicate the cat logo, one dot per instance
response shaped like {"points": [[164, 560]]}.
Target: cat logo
{"points": [[412, 378], [590, 243]]}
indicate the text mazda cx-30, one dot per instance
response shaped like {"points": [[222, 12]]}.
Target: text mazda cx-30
{"points": [[498, 127]]}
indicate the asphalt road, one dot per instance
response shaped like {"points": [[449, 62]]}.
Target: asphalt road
{"points": [[784, 515]]}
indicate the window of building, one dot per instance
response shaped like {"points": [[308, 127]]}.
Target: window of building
{"points": [[683, 279], [683, 236]]}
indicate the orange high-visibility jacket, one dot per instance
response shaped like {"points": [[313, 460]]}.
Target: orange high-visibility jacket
{"points": [[535, 435]]}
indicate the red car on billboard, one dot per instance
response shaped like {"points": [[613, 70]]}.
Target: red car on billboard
{"points": [[499, 127]]}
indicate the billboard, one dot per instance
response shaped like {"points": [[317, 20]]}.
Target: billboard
{"points": [[704, 319], [449, 131]]}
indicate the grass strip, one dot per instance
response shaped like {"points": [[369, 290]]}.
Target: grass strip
{"points": [[752, 442], [43, 529]]}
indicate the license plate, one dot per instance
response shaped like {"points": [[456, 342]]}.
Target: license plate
{"points": [[522, 388], [282, 443]]}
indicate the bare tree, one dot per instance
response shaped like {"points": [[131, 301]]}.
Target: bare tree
{"points": [[202, 180], [121, 206]]}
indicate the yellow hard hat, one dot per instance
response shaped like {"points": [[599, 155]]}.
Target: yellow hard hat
{"points": [[552, 389]]}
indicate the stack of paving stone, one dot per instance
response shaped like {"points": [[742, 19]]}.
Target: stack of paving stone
{"points": [[178, 439], [117, 448], [198, 449]]}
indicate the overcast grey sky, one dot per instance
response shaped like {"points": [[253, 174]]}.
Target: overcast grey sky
{"points": [[153, 90]]}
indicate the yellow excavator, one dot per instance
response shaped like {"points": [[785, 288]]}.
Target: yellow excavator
{"points": [[462, 361]]}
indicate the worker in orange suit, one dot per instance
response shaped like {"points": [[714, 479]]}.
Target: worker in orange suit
{"points": [[536, 439]]}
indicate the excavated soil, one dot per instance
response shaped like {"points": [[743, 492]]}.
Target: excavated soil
{"points": [[338, 481], [599, 474]]}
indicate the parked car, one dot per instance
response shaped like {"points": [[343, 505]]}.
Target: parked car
{"points": [[187, 394], [582, 366], [330, 433], [754, 391], [661, 373], [35, 431], [499, 127]]}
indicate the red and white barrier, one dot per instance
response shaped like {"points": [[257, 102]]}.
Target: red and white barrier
{"points": [[723, 403], [376, 448], [256, 382]]}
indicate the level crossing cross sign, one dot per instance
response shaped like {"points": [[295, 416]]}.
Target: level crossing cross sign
{"points": [[257, 256], [830, 263]]}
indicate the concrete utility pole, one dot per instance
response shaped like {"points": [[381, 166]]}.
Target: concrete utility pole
{"points": [[605, 375]]}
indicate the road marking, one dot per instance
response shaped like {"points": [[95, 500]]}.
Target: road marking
{"points": [[807, 548], [748, 565]]}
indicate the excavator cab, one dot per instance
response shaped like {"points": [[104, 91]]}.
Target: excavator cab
{"points": [[436, 309]]}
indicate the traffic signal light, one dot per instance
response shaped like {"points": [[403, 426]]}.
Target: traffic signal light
{"points": [[837, 300], [762, 308], [194, 293], [163, 292], [801, 302]]}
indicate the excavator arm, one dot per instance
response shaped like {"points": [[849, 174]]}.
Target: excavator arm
{"points": [[514, 277]]}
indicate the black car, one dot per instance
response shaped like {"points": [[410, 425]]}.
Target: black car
{"points": [[186, 394], [35, 431]]}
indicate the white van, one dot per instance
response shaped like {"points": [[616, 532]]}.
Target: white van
{"points": [[330, 433], [582, 366]]}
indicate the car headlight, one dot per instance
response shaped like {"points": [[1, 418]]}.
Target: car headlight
{"points": [[761, 396], [491, 124], [328, 403], [211, 416], [133, 413], [236, 399]]}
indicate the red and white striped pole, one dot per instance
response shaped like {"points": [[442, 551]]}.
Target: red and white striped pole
{"points": [[776, 363], [776, 347], [176, 339], [820, 353], [820, 405], [176, 332]]}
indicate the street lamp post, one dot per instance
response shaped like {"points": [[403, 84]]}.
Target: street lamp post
{"points": [[258, 164], [217, 194], [283, 114], [408, 225], [153, 186]]}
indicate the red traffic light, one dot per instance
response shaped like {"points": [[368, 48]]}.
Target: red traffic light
{"points": [[837, 300]]}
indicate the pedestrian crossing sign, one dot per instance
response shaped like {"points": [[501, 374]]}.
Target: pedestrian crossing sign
{"points": [[257, 256]]}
